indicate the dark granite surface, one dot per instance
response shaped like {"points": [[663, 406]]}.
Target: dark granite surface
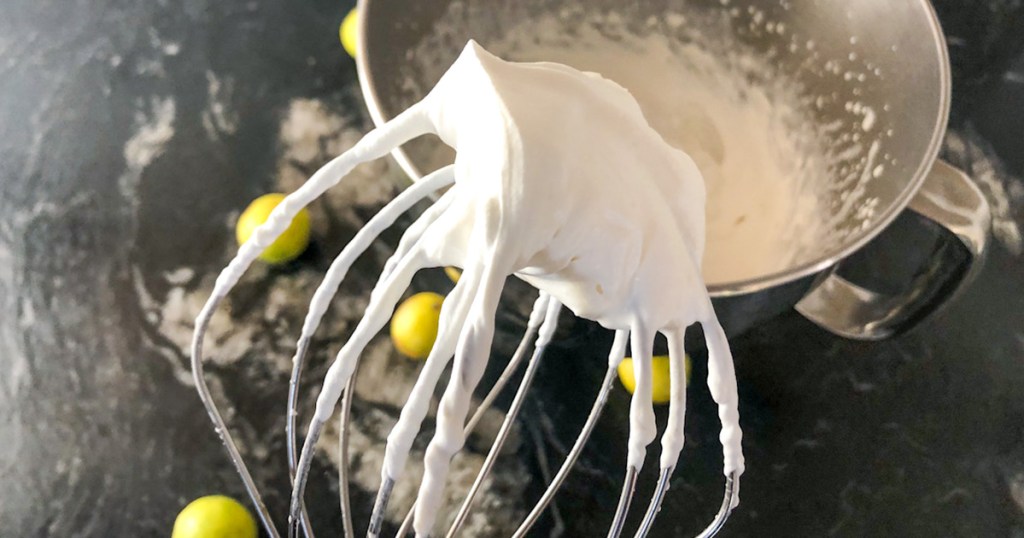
{"points": [[129, 133]]}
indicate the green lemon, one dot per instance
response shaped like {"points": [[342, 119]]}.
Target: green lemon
{"points": [[661, 385], [414, 324], [349, 31], [289, 245], [214, 516]]}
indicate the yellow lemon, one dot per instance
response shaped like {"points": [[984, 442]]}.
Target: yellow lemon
{"points": [[348, 32], [292, 242], [214, 516], [661, 386], [414, 324], [454, 273]]}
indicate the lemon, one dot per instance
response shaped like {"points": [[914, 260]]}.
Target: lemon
{"points": [[348, 32], [414, 325], [454, 273], [214, 516], [661, 386], [292, 242]]}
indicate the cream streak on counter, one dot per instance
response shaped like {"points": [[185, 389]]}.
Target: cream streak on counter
{"points": [[559, 180]]}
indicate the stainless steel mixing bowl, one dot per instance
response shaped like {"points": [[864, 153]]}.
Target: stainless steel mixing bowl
{"points": [[901, 60]]}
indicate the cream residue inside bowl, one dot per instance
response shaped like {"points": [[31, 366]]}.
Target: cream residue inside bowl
{"points": [[766, 162]]}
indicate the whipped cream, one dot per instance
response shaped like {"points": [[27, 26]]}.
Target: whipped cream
{"points": [[584, 200]]}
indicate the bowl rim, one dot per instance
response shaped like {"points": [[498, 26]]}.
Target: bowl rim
{"points": [[771, 280]]}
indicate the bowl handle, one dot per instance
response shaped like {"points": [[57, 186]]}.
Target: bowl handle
{"points": [[952, 200]]}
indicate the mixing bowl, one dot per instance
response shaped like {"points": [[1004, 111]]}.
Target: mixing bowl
{"points": [[875, 80]]}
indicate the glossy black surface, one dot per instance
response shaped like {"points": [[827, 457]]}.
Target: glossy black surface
{"points": [[921, 435]]}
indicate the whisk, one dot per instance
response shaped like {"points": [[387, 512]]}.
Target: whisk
{"points": [[623, 253]]}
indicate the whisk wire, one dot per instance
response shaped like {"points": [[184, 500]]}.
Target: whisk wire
{"points": [[503, 379], [546, 332]]}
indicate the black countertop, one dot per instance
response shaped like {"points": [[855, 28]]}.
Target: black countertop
{"points": [[131, 132]]}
